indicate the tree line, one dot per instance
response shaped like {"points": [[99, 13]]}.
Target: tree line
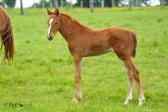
{"points": [[84, 3], [8, 3], [96, 3]]}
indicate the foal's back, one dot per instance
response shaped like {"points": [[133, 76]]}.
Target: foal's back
{"points": [[119, 40]]}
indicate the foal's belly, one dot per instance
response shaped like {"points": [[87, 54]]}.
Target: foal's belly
{"points": [[97, 50]]}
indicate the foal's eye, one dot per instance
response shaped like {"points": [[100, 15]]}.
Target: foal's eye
{"points": [[56, 22]]}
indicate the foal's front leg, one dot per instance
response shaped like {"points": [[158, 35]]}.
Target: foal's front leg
{"points": [[78, 93]]}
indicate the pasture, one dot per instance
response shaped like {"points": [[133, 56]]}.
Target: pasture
{"points": [[40, 79]]}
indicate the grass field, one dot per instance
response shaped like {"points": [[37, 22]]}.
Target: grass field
{"points": [[41, 77]]}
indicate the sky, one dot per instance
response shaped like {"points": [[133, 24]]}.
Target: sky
{"points": [[28, 3]]}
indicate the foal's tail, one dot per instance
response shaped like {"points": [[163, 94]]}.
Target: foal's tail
{"points": [[134, 43]]}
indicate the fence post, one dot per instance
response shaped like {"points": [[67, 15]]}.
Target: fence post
{"points": [[62, 3], [102, 3], [21, 7], [112, 1], [91, 5]]}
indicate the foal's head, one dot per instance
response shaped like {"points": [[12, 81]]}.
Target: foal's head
{"points": [[53, 23]]}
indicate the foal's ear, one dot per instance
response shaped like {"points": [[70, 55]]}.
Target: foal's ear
{"points": [[57, 11], [48, 11]]}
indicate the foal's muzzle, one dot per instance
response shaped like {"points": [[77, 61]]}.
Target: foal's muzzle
{"points": [[50, 37]]}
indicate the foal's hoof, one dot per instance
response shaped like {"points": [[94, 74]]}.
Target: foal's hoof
{"points": [[141, 102], [127, 101], [76, 99]]}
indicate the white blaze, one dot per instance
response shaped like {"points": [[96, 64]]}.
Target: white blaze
{"points": [[50, 23]]}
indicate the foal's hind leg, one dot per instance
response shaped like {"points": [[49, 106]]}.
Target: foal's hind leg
{"points": [[130, 84], [135, 74]]}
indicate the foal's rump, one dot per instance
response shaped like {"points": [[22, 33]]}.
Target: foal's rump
{"points": [[123, 42]]}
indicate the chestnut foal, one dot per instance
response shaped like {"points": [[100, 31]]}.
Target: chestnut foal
{"points": [[83, 42]]}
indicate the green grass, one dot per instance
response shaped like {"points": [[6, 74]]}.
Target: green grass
{"points": [[41, 76]]}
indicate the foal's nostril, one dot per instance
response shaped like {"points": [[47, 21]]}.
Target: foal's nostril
{"points": [[50, 37]]}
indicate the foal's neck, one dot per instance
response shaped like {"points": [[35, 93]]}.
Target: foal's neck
{"points": [[69, 27]]}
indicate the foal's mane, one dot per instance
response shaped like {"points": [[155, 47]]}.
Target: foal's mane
{"points": [[66, 15], [6, 35], [73, 20]]}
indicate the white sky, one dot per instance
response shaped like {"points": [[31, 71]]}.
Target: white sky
{"points": [[28, 3], [155, 2]]}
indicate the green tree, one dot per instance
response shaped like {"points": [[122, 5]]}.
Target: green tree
{"points": [[139, 2], [166, 1], [10, 3], [59, 3], [163, 2], [85, 3], [1, 2], [98, 3], [43, 4]]}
